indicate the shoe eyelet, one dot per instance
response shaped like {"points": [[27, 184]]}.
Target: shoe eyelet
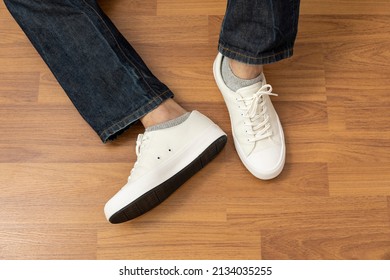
{"points": [[169, 150], [158, 158]]}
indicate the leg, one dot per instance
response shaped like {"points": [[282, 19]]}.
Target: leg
{"points": [[267, 37], [253, 34], [166, 111], [259, 31], [101, 73], [112, 88]]}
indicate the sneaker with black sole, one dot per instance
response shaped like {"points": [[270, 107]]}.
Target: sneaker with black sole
{"points": [[166, 158]]}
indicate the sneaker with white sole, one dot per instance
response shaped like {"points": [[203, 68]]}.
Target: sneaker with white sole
{"points": [[166, 158], [257, 132]]}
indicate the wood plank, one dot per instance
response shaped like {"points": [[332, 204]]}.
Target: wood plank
{"points": [[315, 28], [126, 7], [208, 240], [18, 88], [346, 7], [330, 244], [359, 179], [47, 242], [164, 30], [308, 212], [191, 7]]}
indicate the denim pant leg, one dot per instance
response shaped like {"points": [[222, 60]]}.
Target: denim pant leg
{"points": [[259, 31], [102, 74]]}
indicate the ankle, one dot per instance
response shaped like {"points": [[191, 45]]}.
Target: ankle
{"points": [[166, 111], [234, 82], [245, 71]]}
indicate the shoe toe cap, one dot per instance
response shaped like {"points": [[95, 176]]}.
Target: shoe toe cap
{"points": [[117, 202], [267, 163], [110, 208]]}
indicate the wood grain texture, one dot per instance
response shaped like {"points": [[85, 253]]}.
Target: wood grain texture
{"points": [[332, 200]]}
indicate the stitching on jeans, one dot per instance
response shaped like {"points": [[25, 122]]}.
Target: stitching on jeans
{"points": [[129, 116], [143, 78], [252, 57], [273, 20]]}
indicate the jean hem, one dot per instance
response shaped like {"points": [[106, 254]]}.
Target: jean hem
{"points": [[266, 58], [112, 132]]}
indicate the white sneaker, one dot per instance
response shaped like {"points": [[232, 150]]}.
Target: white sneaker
{"points": [[166, 158], [257, 132]]}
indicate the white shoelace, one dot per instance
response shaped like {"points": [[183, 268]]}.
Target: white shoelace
{"points": [[138, 149], [138, 144], [255, 113]]}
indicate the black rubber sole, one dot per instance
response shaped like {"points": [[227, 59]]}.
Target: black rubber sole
{"points": [[158, 194]]}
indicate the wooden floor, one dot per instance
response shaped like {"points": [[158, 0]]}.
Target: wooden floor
{"points": [[332, 200]]}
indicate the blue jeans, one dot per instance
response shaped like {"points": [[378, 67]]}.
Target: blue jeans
{"points": [[259, 31], [107, 80]]}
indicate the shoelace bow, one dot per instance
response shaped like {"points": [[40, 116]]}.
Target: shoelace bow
{"points": [[256, 111]]}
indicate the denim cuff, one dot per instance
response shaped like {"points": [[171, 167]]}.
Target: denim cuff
{"points": [[265, 58]]}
